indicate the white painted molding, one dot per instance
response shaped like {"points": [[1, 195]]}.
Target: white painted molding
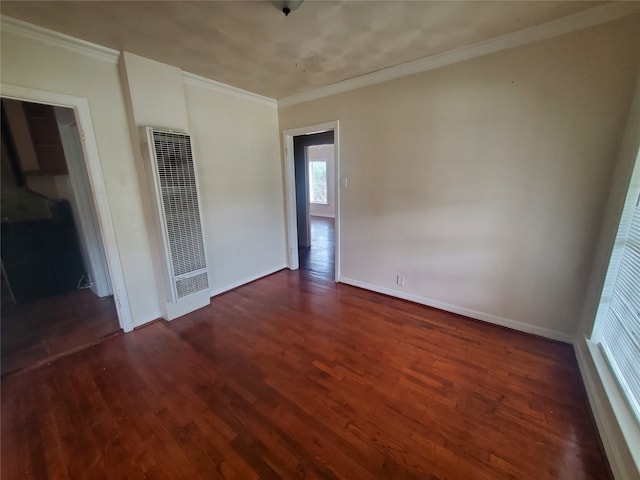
{"points": [[596, 376], [317, 128], [485, 317], [244, 281], [142, 321], [220, 87], [51, 37], [577, 21], [586, 18], [82, 205], [293, 261]]}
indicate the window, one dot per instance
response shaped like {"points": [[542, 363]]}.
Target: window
{"points": [[318, 182], [617, 328]]}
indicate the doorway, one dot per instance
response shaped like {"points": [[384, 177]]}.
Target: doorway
{"points": [[315, 202], [313, 213], [57, 294]]}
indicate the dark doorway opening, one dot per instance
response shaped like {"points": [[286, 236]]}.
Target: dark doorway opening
{"points": [[50, 303], [316, 232]]}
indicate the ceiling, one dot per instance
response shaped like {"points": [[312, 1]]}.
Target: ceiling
{"points": [[253, 46]]}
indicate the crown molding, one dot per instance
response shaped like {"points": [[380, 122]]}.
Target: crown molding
{"points": [[50, 37], [198, 81], [577, 21]]}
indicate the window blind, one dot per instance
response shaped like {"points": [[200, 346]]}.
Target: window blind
{"points": [[619, 328]]}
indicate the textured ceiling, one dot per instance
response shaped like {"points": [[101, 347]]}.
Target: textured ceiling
{"points": [[253, 46]]}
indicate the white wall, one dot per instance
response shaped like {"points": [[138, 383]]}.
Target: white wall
{"points": [[483, 182], [324, 152], [238, 156], [238, 153], [155, 91]]}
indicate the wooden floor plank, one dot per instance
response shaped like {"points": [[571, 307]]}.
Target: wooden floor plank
{"points": [[42, 330], [293, 376]]}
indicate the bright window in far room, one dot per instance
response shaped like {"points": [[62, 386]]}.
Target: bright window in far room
{"points": [[318, 181]]}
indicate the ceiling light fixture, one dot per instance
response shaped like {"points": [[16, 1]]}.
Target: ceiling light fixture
{"points": [[287, 6]]}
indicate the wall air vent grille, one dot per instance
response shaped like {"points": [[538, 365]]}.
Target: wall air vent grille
{"points": [[180, 199], [189, 285], [175, 183]]}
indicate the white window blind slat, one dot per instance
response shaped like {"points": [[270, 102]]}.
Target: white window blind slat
{"points": [[620, 328]]}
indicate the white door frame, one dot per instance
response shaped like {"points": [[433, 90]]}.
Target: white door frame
{"points": [[80, 105], [290, 190], [81, 198]]}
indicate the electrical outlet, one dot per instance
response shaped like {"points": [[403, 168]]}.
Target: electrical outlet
{"points": [[400, 280]]}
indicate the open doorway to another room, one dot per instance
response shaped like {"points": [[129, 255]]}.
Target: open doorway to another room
{"points": [[57, 295], [314, 165]]}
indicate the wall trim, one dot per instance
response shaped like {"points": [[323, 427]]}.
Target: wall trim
{"points": [[152, 317], [198, 81], [613, 438], [57, 39], [249, 279], [51, 37], [467, 312], [577, 21], [586, 18]]}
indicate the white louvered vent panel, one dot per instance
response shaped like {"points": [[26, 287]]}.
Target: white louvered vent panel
{"points": [[189, 285], [176, 184]]}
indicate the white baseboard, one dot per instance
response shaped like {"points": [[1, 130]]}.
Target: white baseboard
{"points": [[147, 319], [486, 317], [616, 444], [252, 278]]}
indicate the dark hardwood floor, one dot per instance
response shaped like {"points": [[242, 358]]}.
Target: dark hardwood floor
{"points": [[39, 331], [296, 377], [319, 259]]}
